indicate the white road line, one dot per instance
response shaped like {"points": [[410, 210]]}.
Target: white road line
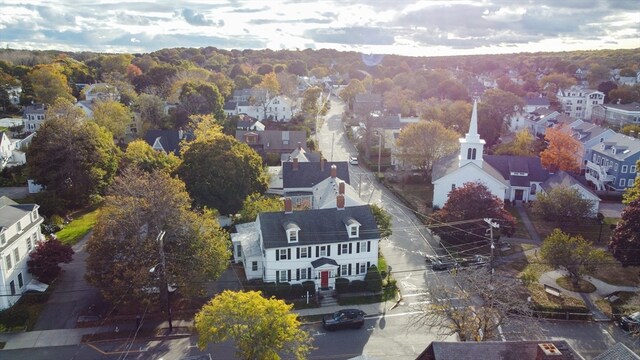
{"points": [[412, 295]]}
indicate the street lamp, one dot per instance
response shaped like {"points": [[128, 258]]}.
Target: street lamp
{"points": [[163, 263]]}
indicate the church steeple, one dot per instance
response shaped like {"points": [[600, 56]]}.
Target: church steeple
{"points": [[471, 146]]}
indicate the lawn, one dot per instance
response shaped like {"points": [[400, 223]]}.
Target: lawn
{"points": [[588, 229], [78, 228], [614, 274]]}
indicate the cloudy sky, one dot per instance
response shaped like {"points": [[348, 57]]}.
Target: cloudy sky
{"points": [[415, 28]]}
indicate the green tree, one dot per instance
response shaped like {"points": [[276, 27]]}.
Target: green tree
{"points": [[49, 83], [270, 83], [348, 94], [453, 115], [563, 205], [625, 94], [200, 99], [141, 155], [470, 202], [423, 143], [573, 254], [125, 246], [632, 193], [151, 109], [383, 220], [522, 145], [625, 240], [72, 158], [242, 82], [597, 74], [259, 328], [220, 172], [257, 203], [113, 116], [265, 69], [297, 67], [494, 111], [556, 81]]}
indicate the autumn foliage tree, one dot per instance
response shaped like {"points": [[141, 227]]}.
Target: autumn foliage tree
{"points": [[625, 240], [472, 201], [423, 143], [563, 152], [260, 328], [44, 262], [563, 204], [49, 83]]}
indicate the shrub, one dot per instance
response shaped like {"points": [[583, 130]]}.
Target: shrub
{"points": [[357, 286], [254, 285], [309, 286], [283, 290], [14, 317], [342, 285], [269, 289], [373, 279], [297, 291]]}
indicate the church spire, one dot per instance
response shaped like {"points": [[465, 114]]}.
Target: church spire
{"points": [[471, 146]]}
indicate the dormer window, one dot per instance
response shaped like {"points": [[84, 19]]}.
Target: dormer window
{"points": [[34, 215], [292, 230], [292, 235]]}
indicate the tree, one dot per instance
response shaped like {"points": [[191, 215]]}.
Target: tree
{"points": [[151, 109], [141, 155], [564, 152], [270, 83], [453, 115], [469, 202], [557, 81], [44, 261], [573, 254], [522, 145], [297, 67], [605, 88], [383, 220], [632, 193], [259, 328], [49, 83], [423, 143], [72, 158], [255, 204], [220, 172], [124, 244], [113, 116], [373, 278], [496, 108], [625, 240], [563, 204], [597, 74], [200, 99], [348, 94], [475, 306], [625, 94], [265, 69]]}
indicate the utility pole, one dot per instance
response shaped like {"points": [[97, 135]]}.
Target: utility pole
{"points": [[379, 150], [492, 225], [164, 274]]}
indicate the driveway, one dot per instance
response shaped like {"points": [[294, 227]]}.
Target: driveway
{"points": [[72, 295]]}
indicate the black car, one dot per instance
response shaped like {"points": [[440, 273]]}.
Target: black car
{"points": [[347, 318], [631, 322]]}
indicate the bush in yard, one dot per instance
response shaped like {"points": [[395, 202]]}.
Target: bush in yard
{"points": [[357, 286], [45, 259], [283, 290], [269, 289], [373, 279], [14, 317], [297, 291], [342, 285], [254, 284], [309, 286]]}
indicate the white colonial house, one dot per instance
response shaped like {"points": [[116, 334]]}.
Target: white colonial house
{"points": [[19, 235], [316, 245], [279, 108], [512, 178], [578, 102]]}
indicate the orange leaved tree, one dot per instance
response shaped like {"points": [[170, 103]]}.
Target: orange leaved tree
{"points": [[563, 152]]}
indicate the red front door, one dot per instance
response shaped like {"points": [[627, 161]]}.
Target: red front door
{"points": [[324, 279]]}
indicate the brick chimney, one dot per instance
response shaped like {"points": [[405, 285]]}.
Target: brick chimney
{"points": [[548, 351], [334, 171], [340, 202], [323, 162], [288, 206], [295, 164], [341, 188]]}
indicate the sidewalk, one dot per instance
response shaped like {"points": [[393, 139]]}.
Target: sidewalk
{"points": [[63, 337]]}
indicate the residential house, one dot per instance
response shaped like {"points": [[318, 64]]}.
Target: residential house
{"points": [[562, 179], [578, 102], [538, 120], [364, 104], [34, 116], [279, 108], [532, 104], [512, 178], [246, 122], [299, 155], [316, 245], [12, 151], [613, 163], [14, 93], [589, 135], [229, 108], [19, 235], [255, 95], [617, 114], [272, 142], [100, 91], [500, 350], [167, 141]]}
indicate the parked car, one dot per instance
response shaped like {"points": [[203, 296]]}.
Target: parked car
{"points": [[341, 319], [631, 322], [353, 160], [443, 264]]}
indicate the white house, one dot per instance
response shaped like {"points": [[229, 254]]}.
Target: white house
{"points": [[33, 116], [19, 235], [578, 102], [316, 245], [507, 177], [279, 108], [11, 151]]}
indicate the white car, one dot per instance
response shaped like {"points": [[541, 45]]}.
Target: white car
{"points": [[353, 160]]}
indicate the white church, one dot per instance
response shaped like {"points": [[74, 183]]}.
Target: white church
{"points": [[508, 177]]}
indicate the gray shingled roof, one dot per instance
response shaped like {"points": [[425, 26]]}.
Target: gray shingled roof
{"points": [[318, 226], [11, 212], [310, 174], [626, 146], [168, 138], [619, 351], [323, 261], [504, 164], [562, 178], [494, 350], [272, 140]]}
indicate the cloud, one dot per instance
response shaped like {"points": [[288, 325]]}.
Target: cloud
{"points": [[351, 35], [196, 19]]}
